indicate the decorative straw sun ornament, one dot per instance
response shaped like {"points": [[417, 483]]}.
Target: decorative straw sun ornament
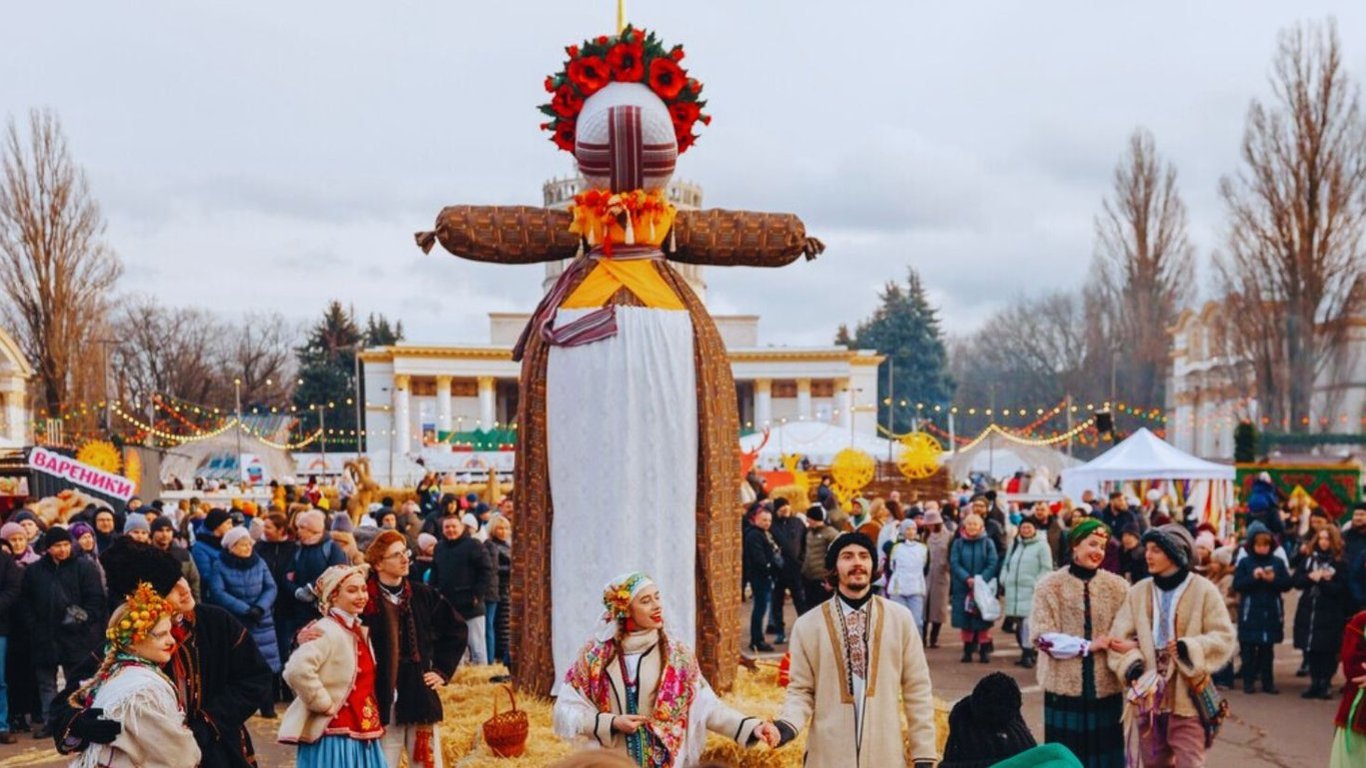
{"points": [[145, 609]]}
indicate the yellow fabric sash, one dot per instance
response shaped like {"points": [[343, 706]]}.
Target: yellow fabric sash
{"points": [[638, 276]]}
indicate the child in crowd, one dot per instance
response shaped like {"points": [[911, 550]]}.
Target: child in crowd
{"points": [[1260, 578]]}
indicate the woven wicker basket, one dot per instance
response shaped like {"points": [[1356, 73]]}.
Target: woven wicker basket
{"points": [[506, 732]]}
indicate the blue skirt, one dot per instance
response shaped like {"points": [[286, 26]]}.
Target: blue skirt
{"points": [[339, 751]]}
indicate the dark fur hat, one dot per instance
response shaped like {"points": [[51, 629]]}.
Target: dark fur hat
{"points": [[127, 562]]}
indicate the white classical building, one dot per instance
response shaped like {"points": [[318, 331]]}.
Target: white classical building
{"points": [[15, 411], [1211, 387], [418, 396]]}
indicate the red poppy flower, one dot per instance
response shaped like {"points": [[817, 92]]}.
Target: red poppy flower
{"points": [[564, 135], [684, 141], [677, 53], [573, 51], [626, 62], [589, 73], [685, 112], [666, 78], [602, 40], [549, 84], [567, 101]]}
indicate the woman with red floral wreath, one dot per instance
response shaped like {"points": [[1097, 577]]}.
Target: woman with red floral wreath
{"points": [[636, 690]]}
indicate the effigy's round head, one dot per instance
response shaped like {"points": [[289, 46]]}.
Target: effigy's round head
{"points": [[626, 108], [624, 139]]}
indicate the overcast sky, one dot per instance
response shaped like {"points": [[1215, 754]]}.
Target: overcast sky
{"points": [[274, 155]]}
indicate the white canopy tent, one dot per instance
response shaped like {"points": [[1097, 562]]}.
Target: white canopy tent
{"points": [[816, 441], [1145, 458], [1002, 458]]}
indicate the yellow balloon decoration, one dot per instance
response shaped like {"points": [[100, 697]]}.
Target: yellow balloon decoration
{"points": [[792, 462], [851, 470], [100, 454], [919, 455]]}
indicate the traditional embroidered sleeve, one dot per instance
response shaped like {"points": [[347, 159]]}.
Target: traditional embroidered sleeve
{"points": [[302, 674], [505, 234], [917, 699], [801, 688], [740, 238], [154, 733], [577, 721], [709, 713]]}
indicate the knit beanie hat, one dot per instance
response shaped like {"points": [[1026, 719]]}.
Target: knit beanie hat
{"points": [[9, 529], [56, 535], [77, 530], [425, 543], [1206, 540], [136, 522], [214, 519], [233, 536], [161, 522], [1174, 540], [845, 540]]}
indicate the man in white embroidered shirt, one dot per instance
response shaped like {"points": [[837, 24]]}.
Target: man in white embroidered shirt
{"points": [[855, 660]]}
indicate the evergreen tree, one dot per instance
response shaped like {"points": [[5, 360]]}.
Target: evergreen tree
{"points": [[906, 329], [327, 371], [379, 333]]}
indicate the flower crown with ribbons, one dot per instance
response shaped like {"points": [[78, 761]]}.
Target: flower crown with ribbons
{"points": [[145, 609], [631, 56], [618, 594]]}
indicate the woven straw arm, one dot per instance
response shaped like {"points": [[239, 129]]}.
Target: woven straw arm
{"points": [[503, 234], [741, 238]]}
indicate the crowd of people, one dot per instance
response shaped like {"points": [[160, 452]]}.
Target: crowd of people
{"points": [[1136, 615], [170, 625]]}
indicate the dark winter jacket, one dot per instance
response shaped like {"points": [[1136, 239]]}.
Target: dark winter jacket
{"points": [[1322, 611], [496, 575], [11, 582], [244, 587], [434, 640], [1133, 565], [307, 564], [970, 557], [189, 570], [279, 555], [500, 555], [48, 588], [461, 571], [790, 533], [760, 555], [1261, 612], [205, 551]]}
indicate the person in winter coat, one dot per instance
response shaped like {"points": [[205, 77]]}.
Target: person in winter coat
{"points": [[208, 542], [1029, 560], [499, 547], [972, 557], [461, 571], [163, 538], [63, 607], [242, 583], [815, 585], [1260, 578], [316, 553], [11, 581], [495, 589], [907, 561], [789, 531], [986, 726], [762, 559], [938, 540], [1322, 610]]}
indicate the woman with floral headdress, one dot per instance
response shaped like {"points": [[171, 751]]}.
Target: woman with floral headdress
{"points": [[636, 690], [335, 716], [132, 690]]}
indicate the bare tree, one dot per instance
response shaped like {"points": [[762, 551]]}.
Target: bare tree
{"points": [[172, 352], [1144, 267], [1293, 266], [261, 354], [55, 268]]}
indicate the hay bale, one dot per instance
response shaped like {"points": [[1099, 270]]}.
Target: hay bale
{"points": [[469, 702]]}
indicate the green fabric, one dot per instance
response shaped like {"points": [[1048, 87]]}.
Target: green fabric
{"points": [[1085, 528], [1042, 756]]}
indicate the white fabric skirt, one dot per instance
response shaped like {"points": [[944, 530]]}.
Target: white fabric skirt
{"points": [[621, 419]]}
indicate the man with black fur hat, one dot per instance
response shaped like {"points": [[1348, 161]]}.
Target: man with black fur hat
{"points": [[857, 660], [62, 604], [216, 667]]}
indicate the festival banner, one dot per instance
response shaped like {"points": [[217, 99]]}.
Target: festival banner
{"points": [[83, 475]]}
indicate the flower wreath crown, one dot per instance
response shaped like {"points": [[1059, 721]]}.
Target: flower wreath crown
{"points": [[145, 609], [616, 597], [632, 56]]}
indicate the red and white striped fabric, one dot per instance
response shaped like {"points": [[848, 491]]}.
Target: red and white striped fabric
{"points": [[624, 140]]}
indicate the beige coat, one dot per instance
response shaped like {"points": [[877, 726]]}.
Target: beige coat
{"points": [[1058, 601], [897, 677], [1203, 629], [321, 673]]}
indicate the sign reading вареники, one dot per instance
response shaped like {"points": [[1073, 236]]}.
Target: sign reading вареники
{"points": [[83, 475]]}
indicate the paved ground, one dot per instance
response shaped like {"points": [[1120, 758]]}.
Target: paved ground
{"points": [[1284, 731]]}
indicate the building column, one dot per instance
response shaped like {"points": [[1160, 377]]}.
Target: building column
{"points": [[486, 402], [804, 399], [402, 425], [763, 403], [844, 396], [443, 403]]}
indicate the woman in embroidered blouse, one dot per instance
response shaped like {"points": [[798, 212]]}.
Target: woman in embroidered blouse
{"points": [[334, 717], [132, 690], [636, 690]]}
